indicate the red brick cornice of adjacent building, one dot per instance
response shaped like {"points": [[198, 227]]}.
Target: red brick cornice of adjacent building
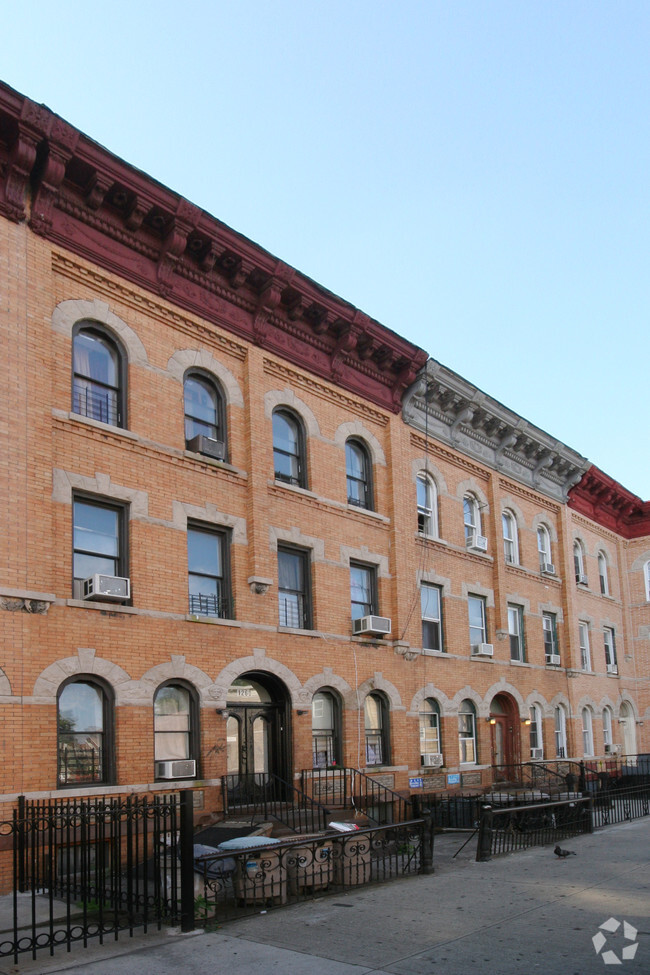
{"points": [[77, 194], [608, 503]]}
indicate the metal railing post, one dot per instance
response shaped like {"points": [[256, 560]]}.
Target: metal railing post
{"points": [[186, 852], [484, 845]]}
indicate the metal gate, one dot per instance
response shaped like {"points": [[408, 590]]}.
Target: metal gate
{"points": [[81, 869]]}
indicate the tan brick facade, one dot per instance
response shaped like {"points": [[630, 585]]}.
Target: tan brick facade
{"points": [[54, 455]]}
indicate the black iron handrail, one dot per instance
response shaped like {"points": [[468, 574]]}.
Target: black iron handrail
{"points": [[350, 788], [270, 796]]}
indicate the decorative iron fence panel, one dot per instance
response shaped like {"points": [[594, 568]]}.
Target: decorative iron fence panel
{"points": [[237, 883], [620, 804], [349, 788], [88, 868], [520, 827]]}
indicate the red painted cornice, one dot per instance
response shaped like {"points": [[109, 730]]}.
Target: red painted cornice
{"points": [[608, 503], [77, 194]]}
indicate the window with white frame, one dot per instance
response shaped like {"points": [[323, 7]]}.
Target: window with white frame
{"points": [[471, 518], [603, 574], [510, 540], [516, 633], [427, 500], [544, 548], [536, 737], [607, 729], [646, 574], [429, 731], [560, 732], [579, 563], [585, 652], [467, 733], [610, 650], [587, 733], [477, 622], [549, 627], [431, 609]]}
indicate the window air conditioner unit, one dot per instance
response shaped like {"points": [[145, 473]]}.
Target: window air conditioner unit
{"points": [[612, 668], [371, 626], [616, 749], [432, 760], [478, 543], [537, 753], [548, 568], [581, 580], [483, 650], [107, 587], [180, 769], [554, 659], [206, 445]]}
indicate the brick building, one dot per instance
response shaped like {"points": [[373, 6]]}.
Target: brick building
{"points": [[248, 528]]}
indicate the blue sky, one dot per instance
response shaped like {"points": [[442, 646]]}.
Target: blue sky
{"points": [[474, 175]]}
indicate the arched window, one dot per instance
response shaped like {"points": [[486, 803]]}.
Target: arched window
{"points": [[99, 376], [176, 736], [427, 499], [587, 733], [536, 736], [579, 563], [467, 733], [430, 741], [359, 474], [471, 519], [607, 729], [204, 416], [603, 574], [288, 449], [375, 710], [325, 729], [510, 539], [85, 729], [544, 550], [560, 732]]}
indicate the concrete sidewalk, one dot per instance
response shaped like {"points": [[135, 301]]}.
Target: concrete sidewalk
{"points": [[514, 915]]}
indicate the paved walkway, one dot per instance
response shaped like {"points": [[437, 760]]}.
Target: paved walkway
{"points": [[514, 915]]}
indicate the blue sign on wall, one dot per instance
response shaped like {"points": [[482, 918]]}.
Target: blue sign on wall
{"points": [[416, 783], [453, 779]]}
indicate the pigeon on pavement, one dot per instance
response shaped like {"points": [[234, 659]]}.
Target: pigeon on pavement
{"points": [[563, 853]]}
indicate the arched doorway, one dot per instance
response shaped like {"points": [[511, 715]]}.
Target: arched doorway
{"points": [[504, 737], [258, 747], [628, 729]]}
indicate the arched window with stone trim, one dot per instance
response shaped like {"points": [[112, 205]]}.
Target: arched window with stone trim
{"points": [[85, 729], [98, 374], [176, 730]]}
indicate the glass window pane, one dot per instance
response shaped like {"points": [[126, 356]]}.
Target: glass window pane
{"points": [[204, 552]]}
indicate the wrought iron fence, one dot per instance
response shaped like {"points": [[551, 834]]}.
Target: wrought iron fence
{"points": [[209, 604], [95, 402], [519, 827], [621, 803], [88, 868], [235, 883], [350, 789]]}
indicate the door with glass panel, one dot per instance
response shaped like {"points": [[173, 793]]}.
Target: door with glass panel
{"points": [[255, 756]]}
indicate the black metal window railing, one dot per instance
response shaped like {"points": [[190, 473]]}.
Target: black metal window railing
{"points": [[96, 402], [208, 604]]}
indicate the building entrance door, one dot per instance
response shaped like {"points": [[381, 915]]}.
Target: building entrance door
{"points": [[504, 741], [256, 741]]}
